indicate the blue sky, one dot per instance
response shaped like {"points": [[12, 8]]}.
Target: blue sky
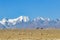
{"points": [[31, 8]]}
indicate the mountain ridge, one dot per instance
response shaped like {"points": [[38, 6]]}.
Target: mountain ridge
{"points": [[26, 22]]}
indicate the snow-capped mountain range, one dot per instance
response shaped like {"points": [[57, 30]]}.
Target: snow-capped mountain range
{"points": [[27, 23]]}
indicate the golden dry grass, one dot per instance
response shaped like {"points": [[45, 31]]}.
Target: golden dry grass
{"points": [[26, 34]]}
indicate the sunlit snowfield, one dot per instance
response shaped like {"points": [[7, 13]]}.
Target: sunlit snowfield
{"points": [[32, 34]]}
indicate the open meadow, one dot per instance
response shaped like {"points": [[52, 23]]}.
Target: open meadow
{"points": [[30, 34]]}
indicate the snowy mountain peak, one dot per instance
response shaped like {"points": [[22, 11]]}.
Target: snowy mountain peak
{"points": [[19, 19], [39, 18], [23, 18], [4, 20], [47, 19], [14, 21]]}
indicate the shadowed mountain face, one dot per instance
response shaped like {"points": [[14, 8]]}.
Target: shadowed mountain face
{"points": [[26, 22]]}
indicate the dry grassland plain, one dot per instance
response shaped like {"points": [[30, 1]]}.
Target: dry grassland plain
{"points": [[30, 34]]}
